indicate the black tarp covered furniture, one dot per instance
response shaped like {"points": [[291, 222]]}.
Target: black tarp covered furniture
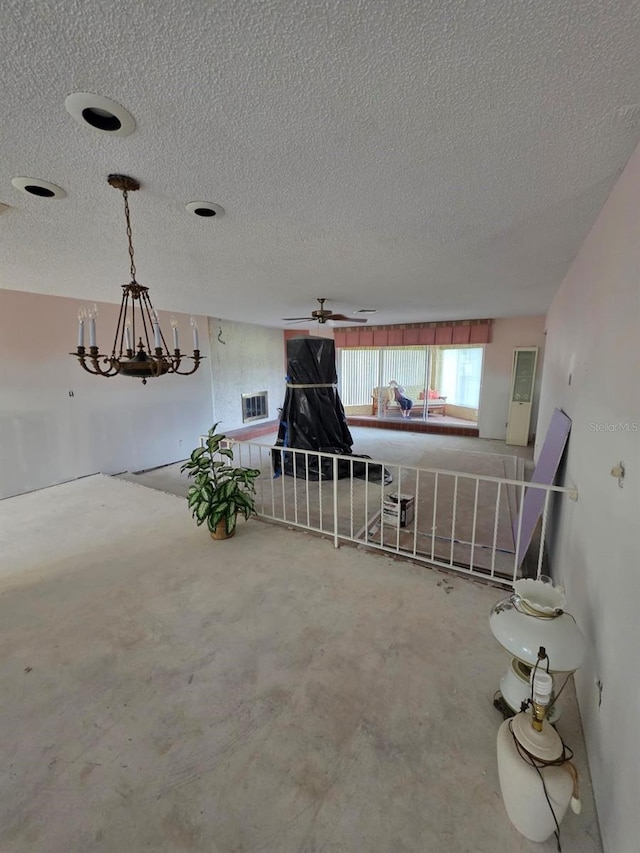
{"points": [[313, 418]]}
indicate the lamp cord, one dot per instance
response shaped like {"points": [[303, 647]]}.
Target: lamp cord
{"points": [[521, 608], [125, 195], [559, 693]]}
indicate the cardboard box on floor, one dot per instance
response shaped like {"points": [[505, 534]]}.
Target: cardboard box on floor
{"points": [[401, 503]]}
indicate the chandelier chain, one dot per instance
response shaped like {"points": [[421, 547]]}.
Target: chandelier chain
{"points": [[125, 195]]}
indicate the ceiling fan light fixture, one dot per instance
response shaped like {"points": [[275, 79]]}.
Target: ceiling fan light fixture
{"points": [[100, 113], [205, 209], [137, 321], [38, 187]]}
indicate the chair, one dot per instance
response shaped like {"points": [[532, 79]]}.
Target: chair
{"points": [[435, 403], [381, 396]]}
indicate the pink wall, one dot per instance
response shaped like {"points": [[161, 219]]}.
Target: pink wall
{"points": [[507, 333], [57, 422], [592, 372]]}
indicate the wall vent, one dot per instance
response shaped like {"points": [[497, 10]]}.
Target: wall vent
{"points": [[255, 406]]}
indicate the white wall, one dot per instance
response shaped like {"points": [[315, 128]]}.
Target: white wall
{"points": [[592, 340], [108, 425], [506, 334], [249, 361]]}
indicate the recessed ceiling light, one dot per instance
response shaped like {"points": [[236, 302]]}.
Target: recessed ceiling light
{"points": [[366, 311], [205, 209], [38, 187], [100, 113]]}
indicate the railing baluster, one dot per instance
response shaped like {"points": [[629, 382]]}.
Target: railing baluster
{"points": [[351, 498], [261, 478], [273, 484], [543, 531], [319, 460], [282, 478], [453, 519], [473, 528], [335, 501], [435, 515], [295, 489], [399, 508], [496, 520], [382, 511], [516, 560], [366, 502], [416, 504], [306, 471]]}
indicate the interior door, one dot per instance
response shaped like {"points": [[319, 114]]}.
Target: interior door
{"points": [[521, 399]]}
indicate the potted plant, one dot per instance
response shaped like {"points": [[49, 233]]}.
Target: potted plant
{"points": [[220, 490]]}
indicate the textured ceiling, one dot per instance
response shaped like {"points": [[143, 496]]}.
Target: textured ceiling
{"points": [[434, 159]]}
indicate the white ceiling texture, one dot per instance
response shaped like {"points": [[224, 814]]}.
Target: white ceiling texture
{"points": [[433, 159]]}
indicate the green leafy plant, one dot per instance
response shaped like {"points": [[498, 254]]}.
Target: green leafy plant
{"points": [[220, 490]]}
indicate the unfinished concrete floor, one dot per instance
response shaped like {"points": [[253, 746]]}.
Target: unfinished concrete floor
{"points": [[163, 692]]}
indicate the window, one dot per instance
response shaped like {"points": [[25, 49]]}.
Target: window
{"points": [[359, 369], [459, 375], [454, 371], [407, 365], [362, 370]]}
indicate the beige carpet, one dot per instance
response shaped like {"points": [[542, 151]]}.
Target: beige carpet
{"points": [[465, 531], [268, 694]]}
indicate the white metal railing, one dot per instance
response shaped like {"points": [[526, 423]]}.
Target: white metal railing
{"points": [[470, 523]]}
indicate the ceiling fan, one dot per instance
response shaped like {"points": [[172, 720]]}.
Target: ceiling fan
{"points": [[322, 314]]}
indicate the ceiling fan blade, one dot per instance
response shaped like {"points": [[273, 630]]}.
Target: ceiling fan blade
{"points": [[297, 319], [348, 319]]}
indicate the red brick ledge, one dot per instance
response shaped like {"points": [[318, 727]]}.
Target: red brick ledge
{"points": [[253, 430], [414, 426]]}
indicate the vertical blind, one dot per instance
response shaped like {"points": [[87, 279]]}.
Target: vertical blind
{"points": [[458, 371]]}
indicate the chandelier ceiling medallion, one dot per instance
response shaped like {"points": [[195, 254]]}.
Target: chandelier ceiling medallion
{"points": [[137, 320]]}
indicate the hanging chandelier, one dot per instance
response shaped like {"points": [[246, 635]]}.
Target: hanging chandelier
{"points": [[137, 320]]}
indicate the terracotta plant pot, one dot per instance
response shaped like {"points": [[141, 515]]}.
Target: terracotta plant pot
{"points": [[221, 530]]}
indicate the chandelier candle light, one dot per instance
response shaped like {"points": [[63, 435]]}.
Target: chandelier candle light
{"points": [[148, 361]]}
